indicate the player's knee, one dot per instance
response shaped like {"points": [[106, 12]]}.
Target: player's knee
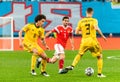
{"points": [[99, 57], [80, 54], [62, 56], [35, 51], [52, 61], [43, 55]]}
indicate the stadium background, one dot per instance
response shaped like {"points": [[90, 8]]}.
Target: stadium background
{"points": [[24, 12]]}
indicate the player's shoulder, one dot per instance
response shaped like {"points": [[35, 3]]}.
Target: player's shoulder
{"points": [[29, 24], [59, 26], [85, 19], [94, 19], [69, 27], [42, 28]]}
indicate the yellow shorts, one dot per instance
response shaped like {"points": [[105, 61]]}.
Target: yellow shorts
{"points": [[92, 45], [28, 46]]}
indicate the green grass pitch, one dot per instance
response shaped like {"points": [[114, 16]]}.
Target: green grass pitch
{"points": [[15, 67]]}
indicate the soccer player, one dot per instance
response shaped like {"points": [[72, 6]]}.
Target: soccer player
{"points": [[63, 33], [33, 31], [88, 26]]}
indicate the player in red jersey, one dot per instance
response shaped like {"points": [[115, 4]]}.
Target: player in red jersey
{"points": [[63, 33]]}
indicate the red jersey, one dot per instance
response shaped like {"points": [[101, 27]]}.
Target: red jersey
{"points": [[62, 33]]}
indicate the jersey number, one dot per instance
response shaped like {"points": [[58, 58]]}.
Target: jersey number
{"points": [[88, 29], [34, 36]]}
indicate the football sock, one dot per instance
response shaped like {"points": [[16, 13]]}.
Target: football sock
{"points": [[61, 63], [33, 62], [43, 65], [100, 65], [48, 60], [76, 60]]}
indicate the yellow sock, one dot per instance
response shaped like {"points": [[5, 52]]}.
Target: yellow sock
{"points": [[100, 65], [33, 62], [76, 59], [43, 65]]}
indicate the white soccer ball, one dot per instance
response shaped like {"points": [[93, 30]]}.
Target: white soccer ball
{"points": [[89, 71]]}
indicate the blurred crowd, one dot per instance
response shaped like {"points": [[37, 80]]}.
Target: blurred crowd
{"points": [[56, 0]]}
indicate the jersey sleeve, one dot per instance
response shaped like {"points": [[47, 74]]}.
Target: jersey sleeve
{"points": [[95, 23], [71, 32], [79, 26], [26, 27], [55, 30]]}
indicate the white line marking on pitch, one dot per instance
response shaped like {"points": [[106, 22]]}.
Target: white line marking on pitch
{"points": [[113, 57]]}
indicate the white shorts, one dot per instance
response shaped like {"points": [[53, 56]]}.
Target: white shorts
{"points": [[58, 50]]}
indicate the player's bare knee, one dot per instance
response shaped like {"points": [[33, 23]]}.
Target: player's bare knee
{"points": [[62, 57], [53, 61], [35, 51], [43, 55]]}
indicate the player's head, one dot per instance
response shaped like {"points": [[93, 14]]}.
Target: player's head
{"points": [[89, 12], [65, 21], [40, 19]]}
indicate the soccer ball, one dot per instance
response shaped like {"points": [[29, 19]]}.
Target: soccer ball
{"points": [[89, 71]]}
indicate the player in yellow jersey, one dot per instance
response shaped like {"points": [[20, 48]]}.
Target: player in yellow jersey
{"points": [[33, 31], [88, 27]]}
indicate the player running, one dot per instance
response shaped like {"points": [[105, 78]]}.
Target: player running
{"points": [[33, 31], [88, 26], [63, 33]]}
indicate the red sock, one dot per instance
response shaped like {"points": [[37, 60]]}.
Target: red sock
{"points": [[61, 63], [48, 60]]}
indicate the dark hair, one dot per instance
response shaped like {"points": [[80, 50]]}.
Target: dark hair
{"points": [[40, 17], [65, 18], [89, 10]]}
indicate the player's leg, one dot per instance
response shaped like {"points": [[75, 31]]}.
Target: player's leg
{"points": [[61, 63], [100, 66], [39, 51], [39, 59], [43, 67], [54, 59], [28, 47], [96, 51], [75, 62], [59, 53], [77, 58], [33, 62]]}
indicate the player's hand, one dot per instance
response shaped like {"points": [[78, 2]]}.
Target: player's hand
{"points": [[21, 45], [104, 38], [47, 47], [72, 47]]}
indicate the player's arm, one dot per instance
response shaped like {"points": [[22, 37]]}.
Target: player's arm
{"points": [[48, 33], [24, 29], [78, 29], [72, 41], [43, 40], [44, 43], [100, 32], [55, 30], [98, 29], [20, 38]]}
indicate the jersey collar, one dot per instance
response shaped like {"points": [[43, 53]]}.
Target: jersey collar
{"points": [[64, 26], [36, 26]]}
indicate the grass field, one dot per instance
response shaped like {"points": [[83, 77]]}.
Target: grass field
{"points": [[15, 67]]}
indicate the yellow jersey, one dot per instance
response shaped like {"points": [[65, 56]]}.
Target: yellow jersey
{"points": [[32, 33], [86, 25]]}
